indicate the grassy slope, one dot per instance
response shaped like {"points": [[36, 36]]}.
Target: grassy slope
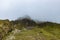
{"points": [[38, 34], [46, 33]]}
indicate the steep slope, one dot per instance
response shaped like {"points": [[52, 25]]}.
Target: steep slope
{"points": [[5, 28], [28, 29], [34, 34]]}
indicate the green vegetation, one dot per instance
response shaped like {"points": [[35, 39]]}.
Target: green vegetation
{"points": [[28, 29]]}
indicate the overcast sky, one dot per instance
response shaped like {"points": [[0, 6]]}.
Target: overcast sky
{"points": [[44, 10]]}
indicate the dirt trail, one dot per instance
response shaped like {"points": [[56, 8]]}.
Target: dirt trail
{"points": [[11, 36]]}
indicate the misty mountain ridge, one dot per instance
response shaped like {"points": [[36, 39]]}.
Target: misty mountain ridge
{"points": [[28, 28]]}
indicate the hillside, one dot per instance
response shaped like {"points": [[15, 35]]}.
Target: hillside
{"points": [[28, 29]]}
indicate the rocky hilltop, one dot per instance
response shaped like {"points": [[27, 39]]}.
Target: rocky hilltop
{"points": [[28, 29]]}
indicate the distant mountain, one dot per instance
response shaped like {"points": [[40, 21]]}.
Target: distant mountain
{"points": [[28, 29]]}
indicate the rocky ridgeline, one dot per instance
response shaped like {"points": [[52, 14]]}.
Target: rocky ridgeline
{"points": [[7, 26]]}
